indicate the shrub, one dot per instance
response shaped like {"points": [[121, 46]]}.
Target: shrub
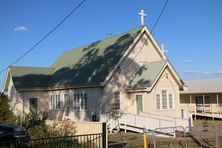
{"points": [[66, 128], [6, 114], [38, 128], [33, 119], [57, 129]]}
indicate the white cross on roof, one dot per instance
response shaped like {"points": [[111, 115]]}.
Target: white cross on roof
{"points": [[142, 15]]}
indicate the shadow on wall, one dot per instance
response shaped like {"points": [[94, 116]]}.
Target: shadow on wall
{"points": [[92, 68], [14, 100]]}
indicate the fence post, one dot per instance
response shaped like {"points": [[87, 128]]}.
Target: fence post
{"points": [[217, 142], [144, 138], [104, 136], [154, 139], [125, 129]]}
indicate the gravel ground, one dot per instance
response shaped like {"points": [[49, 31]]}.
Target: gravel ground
{"points": [[205, 133]]}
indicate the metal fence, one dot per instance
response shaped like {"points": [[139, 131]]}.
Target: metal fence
{"points": [[77, 141], [86, 141], [206, 136], [97, 140]]}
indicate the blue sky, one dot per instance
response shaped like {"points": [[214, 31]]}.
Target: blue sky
{"points": [[189, 29]]}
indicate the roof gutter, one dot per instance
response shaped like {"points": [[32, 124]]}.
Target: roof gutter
{"points": [[133, 90], [57, 88], [209, 92]]}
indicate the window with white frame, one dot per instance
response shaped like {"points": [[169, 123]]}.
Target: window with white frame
{"points": [[52, 102], [55, 101], [170, 101], [83, 99], [157, 101], [80, 101], [117, 100], [67, 100], [164, 100], [67, 104], [76, 101]]}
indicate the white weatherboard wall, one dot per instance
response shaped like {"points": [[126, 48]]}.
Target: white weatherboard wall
{"points": [[93, 104], [42, 97], [126, 71], [20, 101], [165, 82], [15, 98]]}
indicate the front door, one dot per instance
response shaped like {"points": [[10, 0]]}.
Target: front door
{"points": [[33, 104], [139, 104]]}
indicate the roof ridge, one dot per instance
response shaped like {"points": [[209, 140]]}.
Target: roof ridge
{"points": [[204, 79], [141, 27]]}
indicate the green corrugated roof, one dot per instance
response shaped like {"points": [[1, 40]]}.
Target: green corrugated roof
{"points": [[147, 74], [30, 77], [91, 64], [87, 65]]}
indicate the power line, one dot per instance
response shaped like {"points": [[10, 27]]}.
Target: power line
{"points": [[159, 16], [150, 31], [45, 36]]}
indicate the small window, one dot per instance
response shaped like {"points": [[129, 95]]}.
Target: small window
{"points": [[52, 102], [117, 100], [67, 105], [67, 100], [164, 99], [157, 101], [76, 102], [55, 101], [83, 100], [33, 105], [170, 101], [80, 101]]}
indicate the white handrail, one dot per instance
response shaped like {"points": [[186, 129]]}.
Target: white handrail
{"points": [[147, 121]]}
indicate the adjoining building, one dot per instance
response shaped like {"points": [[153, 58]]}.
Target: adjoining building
{"points": [[203, 97]]}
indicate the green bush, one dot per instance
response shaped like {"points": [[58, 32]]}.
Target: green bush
{"points": [[33, 119], [37, 127], [6, 114], [43, 131]]}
